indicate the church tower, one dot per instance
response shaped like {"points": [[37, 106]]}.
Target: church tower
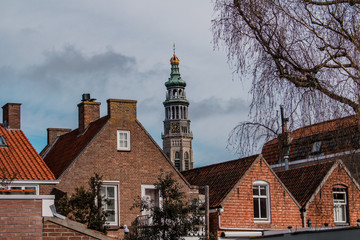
{"points": [[177, 137]]}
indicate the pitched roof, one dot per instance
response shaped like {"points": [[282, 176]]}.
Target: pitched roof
{"points": [[68, 146], [335, 136], [221, 177], [302, 182], [19, 159]]}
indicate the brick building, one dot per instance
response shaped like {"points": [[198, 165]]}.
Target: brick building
{"points": [[246, 197], [24, 212], [327, 193], [115, 146]]}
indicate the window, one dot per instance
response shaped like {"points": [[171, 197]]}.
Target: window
{"points": [[186, 158], [151, 196], [110, 193], [177, 161], [261, 201], [316, 148], [2, 141], [19, 190], [340, 204], [123, 140]]}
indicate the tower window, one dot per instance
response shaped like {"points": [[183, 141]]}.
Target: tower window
{"points": [[177, 161], [186, 158]]}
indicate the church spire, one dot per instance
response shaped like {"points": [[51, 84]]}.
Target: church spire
{"points": [[177, 137]]}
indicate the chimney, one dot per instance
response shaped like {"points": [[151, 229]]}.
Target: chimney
{"points": [[11, 115], [122, 109], [53, 133], [89, 111]]}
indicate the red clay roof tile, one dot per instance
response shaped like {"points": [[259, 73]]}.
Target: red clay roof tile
{"points": [[68, 146], [20, 159], [303, 181], [221, 177], [303, 138]]}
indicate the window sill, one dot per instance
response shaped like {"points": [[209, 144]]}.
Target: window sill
{"points": [[113, 227], [261, 221], [341, 224]]}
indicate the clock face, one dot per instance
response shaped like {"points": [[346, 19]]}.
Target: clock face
{"points": [[175, 127]]}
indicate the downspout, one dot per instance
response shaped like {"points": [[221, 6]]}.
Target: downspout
{"points": [[303, 217]]}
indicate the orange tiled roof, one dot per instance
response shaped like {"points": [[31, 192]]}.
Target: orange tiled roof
{"points": [[68, 146], [303, 181], [221, 177], [20, 159], [303, 138]]}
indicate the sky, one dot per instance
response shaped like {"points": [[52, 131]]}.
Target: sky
{"points": [[51, 52]]}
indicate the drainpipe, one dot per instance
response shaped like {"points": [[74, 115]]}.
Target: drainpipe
{"points": [[207, 222], [303, 217]]}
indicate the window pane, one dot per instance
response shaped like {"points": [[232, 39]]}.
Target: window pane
{"points": [[111, 217], [110, 192], [263, 208], [256, 208], [262, 190], [255, 191]]}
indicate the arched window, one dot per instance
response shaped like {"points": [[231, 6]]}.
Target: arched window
{"points": [[186, 159], [261, 200], [340, 204], [175, 93], [177, 161], [173, 113]]}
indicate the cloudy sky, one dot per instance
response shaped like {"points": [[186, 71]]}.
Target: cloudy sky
{"points": [[51, 52]]}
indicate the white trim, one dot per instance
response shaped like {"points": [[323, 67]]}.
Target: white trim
{"points": [[35, 182], [114, 184], [27, 197], [150, 186], [128, 140], [267, 197]]}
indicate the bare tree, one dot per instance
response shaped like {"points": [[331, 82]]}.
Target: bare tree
{"points": [[303, 54]]}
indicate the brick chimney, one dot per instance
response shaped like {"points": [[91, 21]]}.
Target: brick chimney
{"points": [[122, 109], [53, 133], [11, 115], [89, 111]]}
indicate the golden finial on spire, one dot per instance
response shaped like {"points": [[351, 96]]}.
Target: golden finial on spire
{"points": [[174, 59]]}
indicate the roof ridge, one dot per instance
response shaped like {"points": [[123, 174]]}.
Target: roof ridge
{"points": [[220, 163]]}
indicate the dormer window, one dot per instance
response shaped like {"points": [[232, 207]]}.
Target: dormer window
{"points": [[123, 140], [2, 141], [316, 148]]}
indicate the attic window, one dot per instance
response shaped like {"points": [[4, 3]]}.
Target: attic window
{"points": [[2, 141], [316, 148], [123, 140]]}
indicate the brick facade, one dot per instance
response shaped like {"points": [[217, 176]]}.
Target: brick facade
{"points": [[238, 209], [321, 208], [131, 169], [21, 219]]}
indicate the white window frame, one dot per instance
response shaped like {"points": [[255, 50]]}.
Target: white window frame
{"points": [[265, 184], [340, 205], [115, 185], [150, 186], [22, 187], [122, 148]]}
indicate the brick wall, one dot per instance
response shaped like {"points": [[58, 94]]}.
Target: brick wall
{"points": [[53, 231], [21, 219], [11, 115], [238, 208], [321, 209], [141, 165]]}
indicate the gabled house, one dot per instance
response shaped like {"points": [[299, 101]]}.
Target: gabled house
{"points": [[118, 148], [327, 193], [22, 175], [338, 138], [246, 197]]}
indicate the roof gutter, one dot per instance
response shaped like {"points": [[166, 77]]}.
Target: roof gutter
{"points": [[220, 210], [36, 181]]}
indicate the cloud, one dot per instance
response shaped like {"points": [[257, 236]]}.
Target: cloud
{"points": [[214, 106]]}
